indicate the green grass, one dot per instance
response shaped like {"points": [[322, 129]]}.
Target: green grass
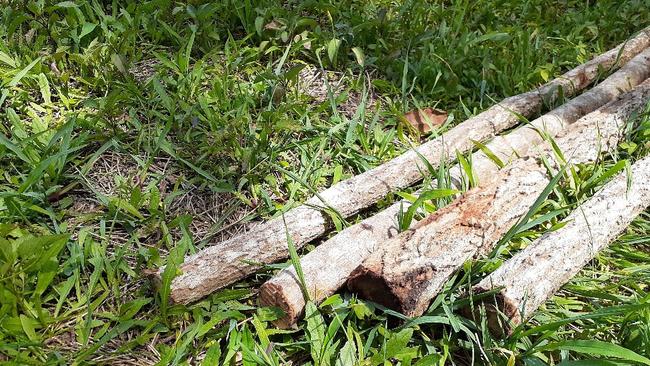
{"points": [[135, 132]]}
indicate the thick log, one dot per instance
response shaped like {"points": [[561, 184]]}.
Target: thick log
{"points": [[410, 269], [534, 274], [231, 260], [327, 267]]}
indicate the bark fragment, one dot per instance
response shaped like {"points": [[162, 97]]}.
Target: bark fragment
{"points": [[328, 266], [414, 266], [229, 261], [534, 274]]}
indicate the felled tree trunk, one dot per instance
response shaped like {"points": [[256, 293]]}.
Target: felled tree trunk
{"points": [[409, 270], [511, 146], [328, 266], [231, 260], [533, 275]]}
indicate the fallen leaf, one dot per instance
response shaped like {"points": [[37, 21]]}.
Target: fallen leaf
{"points": [[424, 119], [273, 26]]}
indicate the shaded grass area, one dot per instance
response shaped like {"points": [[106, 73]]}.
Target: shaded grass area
{"points": [[134, 133]]}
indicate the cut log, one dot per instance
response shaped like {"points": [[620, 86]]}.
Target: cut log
{"points": [[410, 269], [534, 274], [328, 266], [517, 143], [231, 260]]}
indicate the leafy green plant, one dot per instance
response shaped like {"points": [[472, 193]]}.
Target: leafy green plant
{"points": [[121, 119]]}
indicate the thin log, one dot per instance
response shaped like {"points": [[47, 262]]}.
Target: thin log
{"points": [[408, 271], [534, 274], [230, 261], [327, 267]]}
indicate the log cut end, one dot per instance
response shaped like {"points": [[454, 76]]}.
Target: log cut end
{"points": [[501, 312], [176, 296], [273, 295], [370, 285], [155, 278]]}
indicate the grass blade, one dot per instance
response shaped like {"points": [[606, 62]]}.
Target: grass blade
{"points": [[295, 261], [597, 348]]}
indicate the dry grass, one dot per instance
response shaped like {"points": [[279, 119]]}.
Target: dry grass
{"points": [[318, 84]]}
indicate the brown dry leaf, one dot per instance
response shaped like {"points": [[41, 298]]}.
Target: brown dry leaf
{"points": [[424, 119], [273, 26]]}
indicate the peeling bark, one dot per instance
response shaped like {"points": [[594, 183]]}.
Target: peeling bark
{"points": [[410, 269], [229, 261], [534, 274], [328, 266]]}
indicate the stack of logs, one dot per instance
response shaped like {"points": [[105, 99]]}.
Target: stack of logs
{"points": [[405, 271]]}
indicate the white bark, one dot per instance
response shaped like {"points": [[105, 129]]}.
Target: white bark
{"points": [[534, 274], [229, 261], [406, 272], [328, 266], [517, 143]]}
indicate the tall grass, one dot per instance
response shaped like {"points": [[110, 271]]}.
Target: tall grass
{"points": [[135, 132]]}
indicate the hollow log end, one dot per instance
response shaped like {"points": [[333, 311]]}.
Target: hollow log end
{"points": [[271, 294], [501, 312], [371, 285]]}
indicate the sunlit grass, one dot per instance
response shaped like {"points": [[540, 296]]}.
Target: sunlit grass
{"points": [[135, 132]]}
